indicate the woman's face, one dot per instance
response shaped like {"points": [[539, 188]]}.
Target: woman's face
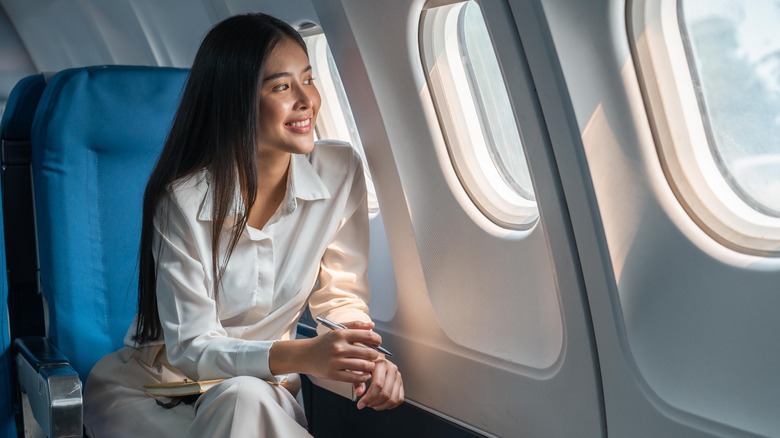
{"points": [[289, 101]]}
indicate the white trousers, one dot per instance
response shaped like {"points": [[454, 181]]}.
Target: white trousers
{"points": [[115, 405]]}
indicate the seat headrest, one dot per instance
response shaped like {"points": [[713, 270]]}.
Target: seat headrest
{"points": [[20, 108], [108, 106]]}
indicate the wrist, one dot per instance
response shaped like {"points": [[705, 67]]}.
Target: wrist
{"points": [[288, 356]]}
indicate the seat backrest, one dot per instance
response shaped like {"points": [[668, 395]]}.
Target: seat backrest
{"points": [[22, 268], [97, 133], [26, 309]]}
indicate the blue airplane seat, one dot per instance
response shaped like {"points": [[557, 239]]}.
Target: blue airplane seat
{"points": [[15, 156], [20, 108], [97, 133], [24, 302]]}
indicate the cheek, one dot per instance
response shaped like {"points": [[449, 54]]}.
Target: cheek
{"points": [[316, 101], [271, 113]]}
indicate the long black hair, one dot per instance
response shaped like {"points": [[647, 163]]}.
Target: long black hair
{"points": [[215, 127]]}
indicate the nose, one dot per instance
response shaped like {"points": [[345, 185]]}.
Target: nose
{"points": [[306, 96]]}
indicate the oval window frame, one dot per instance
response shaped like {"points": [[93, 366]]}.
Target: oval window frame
{"points": [[682, 140], [458, 114]]}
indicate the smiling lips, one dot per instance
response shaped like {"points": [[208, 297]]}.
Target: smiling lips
{"points": [[299, 126]]}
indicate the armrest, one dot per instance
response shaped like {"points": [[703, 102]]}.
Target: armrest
{"points": [[39, 352], [52, 387]]}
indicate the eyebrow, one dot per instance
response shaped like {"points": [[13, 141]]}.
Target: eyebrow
{"points": [[284, 74]]}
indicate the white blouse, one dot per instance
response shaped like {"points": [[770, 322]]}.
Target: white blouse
{"points": [[317, 237]]}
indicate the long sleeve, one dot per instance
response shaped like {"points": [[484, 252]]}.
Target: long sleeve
{"points": [[343, 292], [195, 340]]}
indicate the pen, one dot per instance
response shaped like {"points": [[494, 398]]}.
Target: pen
{"points": [[336, 326]]}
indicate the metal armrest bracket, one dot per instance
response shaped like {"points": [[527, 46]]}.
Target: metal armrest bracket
{"points": [[52, 388]]}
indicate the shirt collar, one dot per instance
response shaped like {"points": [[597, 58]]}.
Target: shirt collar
{"points": [[303, 183]]}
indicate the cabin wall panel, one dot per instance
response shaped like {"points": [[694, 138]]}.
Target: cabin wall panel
{"points": [[439, 251], [683, 325]]}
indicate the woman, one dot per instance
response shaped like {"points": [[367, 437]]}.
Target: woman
{"points": [[243, 216]]}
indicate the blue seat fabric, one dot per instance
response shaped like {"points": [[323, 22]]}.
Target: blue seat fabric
{"points": [[20, 108], [97, 134], [24, 303]]}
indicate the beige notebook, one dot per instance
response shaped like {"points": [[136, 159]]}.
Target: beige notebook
{"points": [[177, 389]]}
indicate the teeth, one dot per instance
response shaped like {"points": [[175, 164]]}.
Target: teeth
{"points": [[301, 123]]}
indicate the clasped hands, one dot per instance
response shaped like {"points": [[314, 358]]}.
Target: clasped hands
{"points": [[338, 355]]}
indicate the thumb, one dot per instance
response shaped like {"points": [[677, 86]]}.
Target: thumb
{"points": [[360, 389]]}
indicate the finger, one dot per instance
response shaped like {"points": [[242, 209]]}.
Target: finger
{"points": [[353, 367], [359, 325], [351, 377], [385, 392], [357, 365], [359, 388], [362, 336], [341, 346], [378, 382], [354, 337], [357, 351], [390, 393], [396, 397]]}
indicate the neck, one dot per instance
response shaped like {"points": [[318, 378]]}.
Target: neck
{"points": [[272, 171], [271, 187]]}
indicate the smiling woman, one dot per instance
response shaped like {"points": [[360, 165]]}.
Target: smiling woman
{"points": [[289, 101], [243, 215]]}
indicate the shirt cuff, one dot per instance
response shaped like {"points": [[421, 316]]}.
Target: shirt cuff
{"points": [[252, 359]]}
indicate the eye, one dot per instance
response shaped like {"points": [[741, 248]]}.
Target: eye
{"points": [[280, 87], [309, 81]]}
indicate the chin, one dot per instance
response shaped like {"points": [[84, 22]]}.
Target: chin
{"points": [[290, 146], [303, 148]]}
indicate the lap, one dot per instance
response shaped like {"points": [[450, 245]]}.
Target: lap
{"points": [[248, 406], [115, 404]]}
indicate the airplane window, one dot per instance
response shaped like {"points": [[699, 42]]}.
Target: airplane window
{"points": [[472, 101], [335, 120], [490, 96], [734, 54], [710, 72]]}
